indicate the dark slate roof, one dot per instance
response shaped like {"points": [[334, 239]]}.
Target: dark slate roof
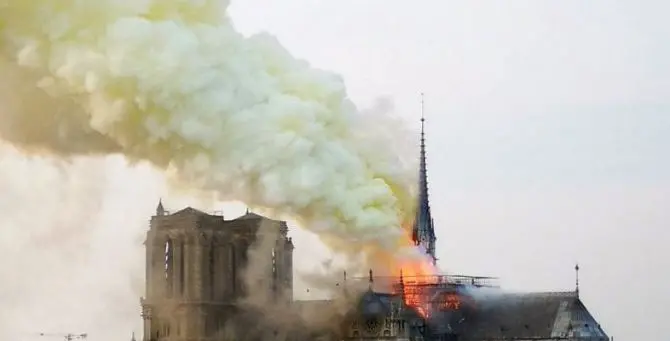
{"points": [[527, 315], [497, 315]]}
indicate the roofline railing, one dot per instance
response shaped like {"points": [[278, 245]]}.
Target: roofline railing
{"points": [[430, 280]]}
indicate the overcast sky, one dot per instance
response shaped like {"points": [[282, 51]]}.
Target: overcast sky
{"points": [[548, 125], [548, 131]]}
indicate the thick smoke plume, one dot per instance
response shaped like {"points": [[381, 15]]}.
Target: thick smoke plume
{"points": [[172, 83]]}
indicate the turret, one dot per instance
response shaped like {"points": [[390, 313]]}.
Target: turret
{"points": [[160, 210]]}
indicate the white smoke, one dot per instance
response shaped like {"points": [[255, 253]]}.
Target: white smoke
{"points": [[171, 82]]}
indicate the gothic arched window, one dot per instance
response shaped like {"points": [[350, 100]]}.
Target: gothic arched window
{"points": [[168, 257], [169, 266]]}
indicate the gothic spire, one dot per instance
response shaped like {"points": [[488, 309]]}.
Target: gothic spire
{"points": [[423, 232], [423, 172], [160, 210]]}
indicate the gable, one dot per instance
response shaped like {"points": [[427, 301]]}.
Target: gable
{"points": [[583, 324], [375, 304]]}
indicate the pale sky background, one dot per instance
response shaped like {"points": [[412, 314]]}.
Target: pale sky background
{"points": [[547, 134]]}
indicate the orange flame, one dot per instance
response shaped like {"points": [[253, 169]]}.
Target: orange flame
{"points": [[415, 273]]}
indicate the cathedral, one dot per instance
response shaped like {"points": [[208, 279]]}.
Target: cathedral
{"points": [[213, 279]]}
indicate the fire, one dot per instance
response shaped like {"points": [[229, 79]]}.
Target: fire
{"points": [[416, 273], [451, 301]]}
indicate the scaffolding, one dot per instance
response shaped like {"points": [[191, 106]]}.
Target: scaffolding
{"points": [[449, 281], [420, 284], [426, 293]]}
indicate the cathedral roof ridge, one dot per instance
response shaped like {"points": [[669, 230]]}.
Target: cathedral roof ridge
{"points": [[544, 294]]}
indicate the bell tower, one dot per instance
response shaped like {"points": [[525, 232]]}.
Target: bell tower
{"points": [[195, 272]]}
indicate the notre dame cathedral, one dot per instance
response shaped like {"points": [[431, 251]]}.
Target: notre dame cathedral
{"points": [[199, 287]]}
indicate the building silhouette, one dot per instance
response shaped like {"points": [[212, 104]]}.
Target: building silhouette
{"points": [[196, 263]]}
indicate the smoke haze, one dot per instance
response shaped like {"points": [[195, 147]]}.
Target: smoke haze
{"points": [[55, 234], [173, 84], [305, 316]]}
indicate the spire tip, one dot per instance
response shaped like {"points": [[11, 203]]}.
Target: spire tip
{"points": [[160, 210], [577, 279]]}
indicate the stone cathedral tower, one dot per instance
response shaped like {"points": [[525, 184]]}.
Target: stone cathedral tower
{"points": [[196, 271]]}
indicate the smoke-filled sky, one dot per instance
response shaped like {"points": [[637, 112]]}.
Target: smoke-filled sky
{"points": [[546, 137], [548, 131]]}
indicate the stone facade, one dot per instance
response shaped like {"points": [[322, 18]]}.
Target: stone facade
{"points": [[195, 272]]}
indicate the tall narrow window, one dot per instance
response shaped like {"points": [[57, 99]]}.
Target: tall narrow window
{"points": [[211, 268], [182, 268], [274, 263], [274, 270], [169, 266], [167, 250]]}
